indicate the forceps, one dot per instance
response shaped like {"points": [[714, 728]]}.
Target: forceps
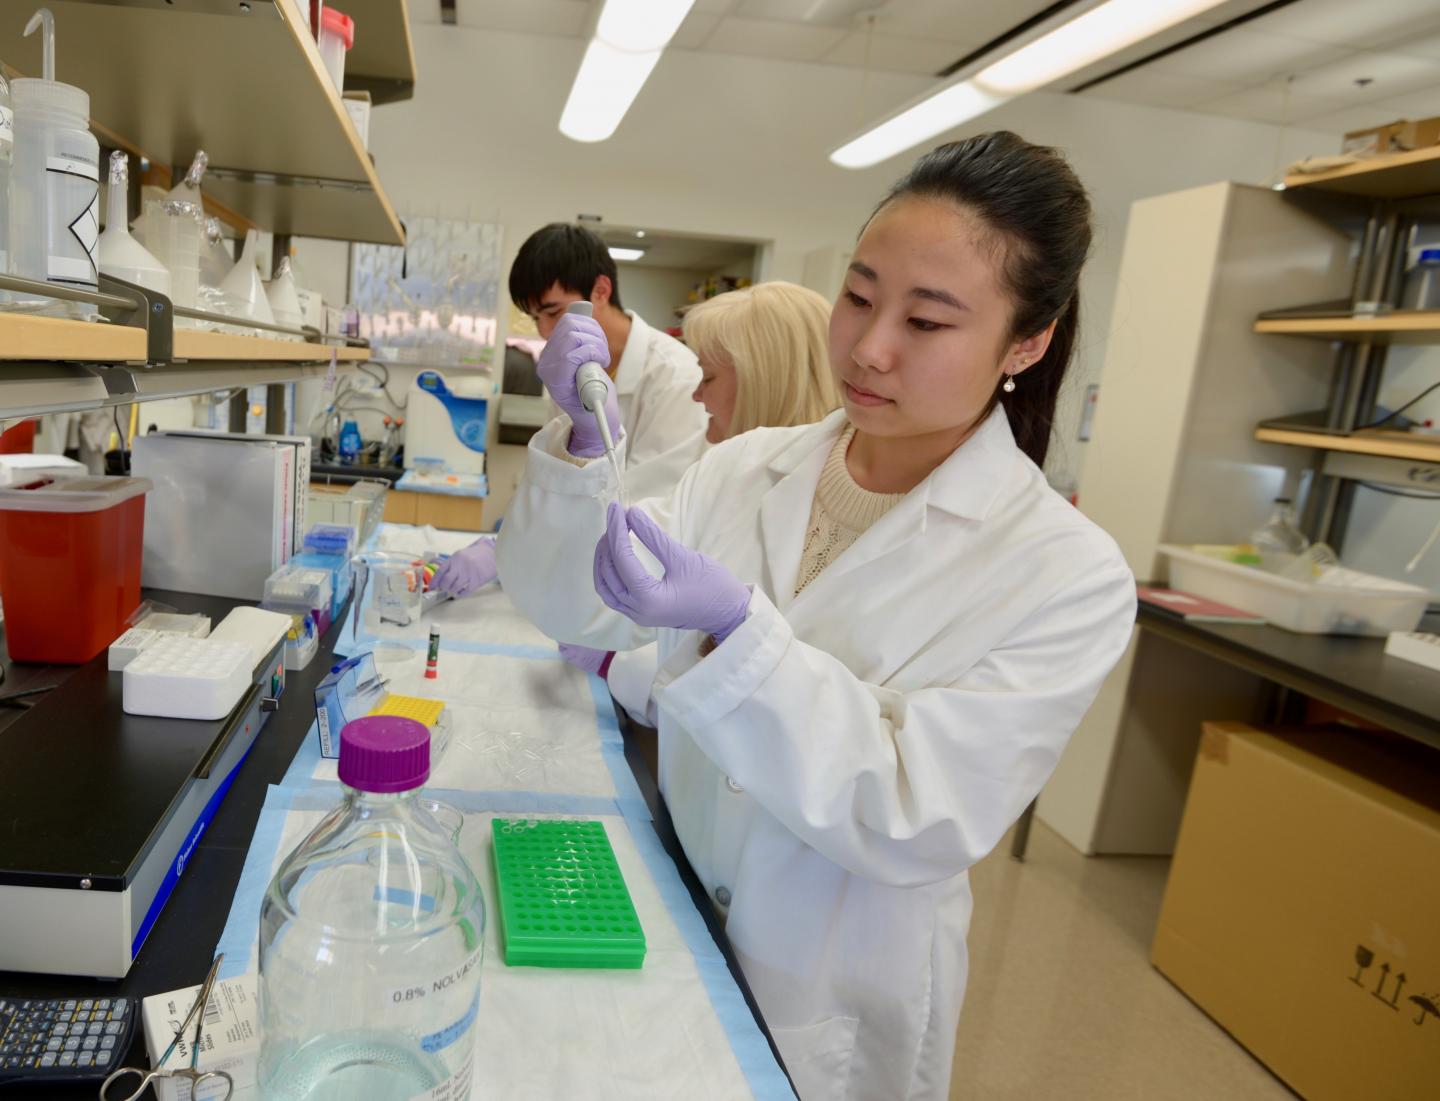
{"points": [[195, 1077]]}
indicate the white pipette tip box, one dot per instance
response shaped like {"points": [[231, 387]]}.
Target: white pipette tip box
{"points": [[188, 678]]}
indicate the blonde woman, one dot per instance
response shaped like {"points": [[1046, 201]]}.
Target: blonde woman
{"points": [[764, 363], [764, 359]]}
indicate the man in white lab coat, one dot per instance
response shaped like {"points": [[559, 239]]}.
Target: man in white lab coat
{"points": [[654, 374]]}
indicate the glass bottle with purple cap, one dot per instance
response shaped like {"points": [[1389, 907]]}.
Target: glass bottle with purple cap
{"points": [[371, 936]]}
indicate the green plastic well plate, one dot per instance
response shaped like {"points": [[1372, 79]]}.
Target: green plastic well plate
{"points": [[563, 901]]}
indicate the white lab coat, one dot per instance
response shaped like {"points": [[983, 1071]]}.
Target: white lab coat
{"points": [[631, 677], [835, 767], [654, 382]]}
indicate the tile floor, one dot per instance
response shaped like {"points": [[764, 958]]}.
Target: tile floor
{"points": [[1063, 1003]]}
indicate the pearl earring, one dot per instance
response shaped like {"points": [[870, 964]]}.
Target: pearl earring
{"points": [[1009, 386]]}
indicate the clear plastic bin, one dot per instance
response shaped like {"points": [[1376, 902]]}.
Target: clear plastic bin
{"points": [[1374, 606], [70, 555]]}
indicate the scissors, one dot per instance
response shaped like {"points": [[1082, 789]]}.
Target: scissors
{"points": [[196, 1078]]}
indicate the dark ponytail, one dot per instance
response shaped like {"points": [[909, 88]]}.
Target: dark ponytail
{"points": [[1031, 199]]}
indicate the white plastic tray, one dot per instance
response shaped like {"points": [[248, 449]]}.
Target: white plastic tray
{"points": [[1374, 608]]}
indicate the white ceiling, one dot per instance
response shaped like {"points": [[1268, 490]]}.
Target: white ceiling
{"points": [[1331, 65], [907, 36], [671, 250]]}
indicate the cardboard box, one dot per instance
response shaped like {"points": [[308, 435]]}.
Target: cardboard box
{"points": [[1420, 134], [1302, 911], [1372, 141], [1393, 137]]}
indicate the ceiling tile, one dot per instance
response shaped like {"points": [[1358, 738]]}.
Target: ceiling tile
{"points": [[1416, 46], [1246, 57], [970, 23], [1157, 89], [766, 38], [694, 31], [1270, 103], [1352, 23], [1388, 75], [818, 13], [424, 11], [569, 18], [889, 53], [1414, 105], [1418, 105], [1351, 118]]}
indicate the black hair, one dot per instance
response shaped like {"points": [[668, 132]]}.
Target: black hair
{"points": [[1031, 199], [560, 253]]}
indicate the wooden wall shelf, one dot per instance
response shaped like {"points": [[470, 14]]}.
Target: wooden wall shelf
{"points": [[1389, 445], [1396, 176], [1401, 327]]}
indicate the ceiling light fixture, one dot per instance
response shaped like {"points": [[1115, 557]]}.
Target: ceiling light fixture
{"points": [[1081, 41], [629, 38], [625, 254], [936, 113], [1084, 40]]}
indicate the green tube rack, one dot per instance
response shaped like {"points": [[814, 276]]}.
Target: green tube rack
{"points": [[563, 901]]}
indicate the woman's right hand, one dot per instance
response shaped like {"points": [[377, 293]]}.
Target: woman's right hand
{"points": [[575, 341]]}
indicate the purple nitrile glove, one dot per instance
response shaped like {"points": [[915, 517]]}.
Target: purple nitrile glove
{"points": [[575, 341], [468, 569], [591, 661], [697, 593]]}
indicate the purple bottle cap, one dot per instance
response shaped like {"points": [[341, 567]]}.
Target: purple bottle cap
{"points": [[384, 754]]}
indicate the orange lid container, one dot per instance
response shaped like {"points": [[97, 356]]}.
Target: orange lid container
{"points": [[70, 555]]}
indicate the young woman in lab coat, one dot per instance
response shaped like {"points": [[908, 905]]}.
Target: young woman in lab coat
{"points": [[764, 362], [876, 633]]}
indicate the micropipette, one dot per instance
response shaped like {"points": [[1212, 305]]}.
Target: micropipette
{"points": [[592, 385]]}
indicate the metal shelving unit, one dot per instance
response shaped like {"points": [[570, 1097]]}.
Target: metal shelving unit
{"points": [[1397, 187], [245, 82], [51, 364]]}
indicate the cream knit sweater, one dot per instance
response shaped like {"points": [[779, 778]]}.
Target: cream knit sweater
{"points": [[841, 513]]}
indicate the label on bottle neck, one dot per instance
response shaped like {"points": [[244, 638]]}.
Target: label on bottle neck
{"points": [[7, 130]]}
